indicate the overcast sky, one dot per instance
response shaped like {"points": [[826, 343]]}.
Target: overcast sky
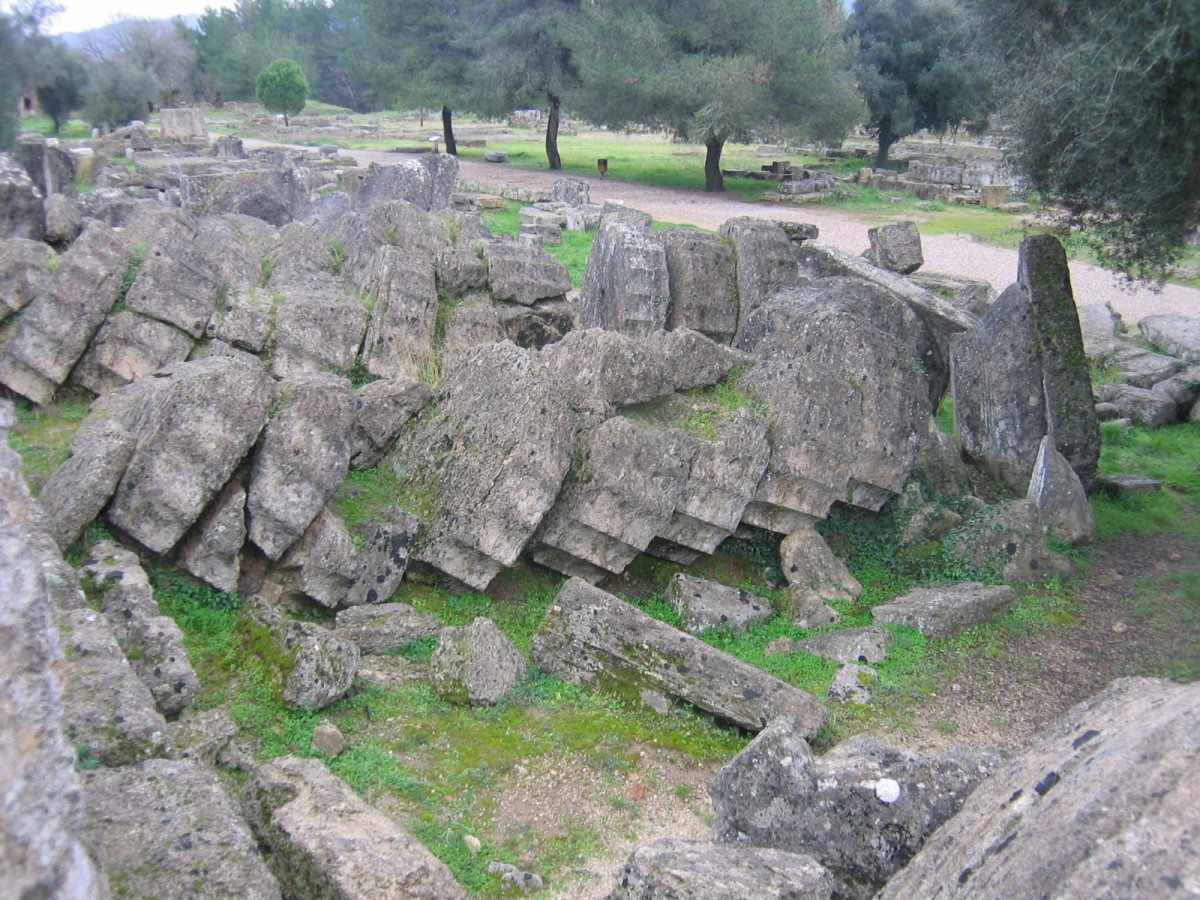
{"points": [[80, 15]]}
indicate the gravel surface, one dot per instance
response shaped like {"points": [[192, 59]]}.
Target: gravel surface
{"points": [[943, 253]]}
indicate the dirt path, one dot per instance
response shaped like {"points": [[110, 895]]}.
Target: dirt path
{"points": [[943, 253]]}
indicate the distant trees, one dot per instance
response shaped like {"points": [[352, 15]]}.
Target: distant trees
{"points": [[1100, 112], [282, 88], [118, 92], [918, 67], [529, 60], [63, 77], [715, 71]]}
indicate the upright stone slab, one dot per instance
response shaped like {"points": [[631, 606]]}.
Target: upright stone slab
{"points": [[213, 550], [22, 213], [57, 326], [326, 842], [702, 277], [766, 261], [384, 407], [1022, 374], [319, 326], [475, 664], [78, 490], [625, 285], [401, 338], [1101, 804], [183, 124], [303, 457], [592, 639]]}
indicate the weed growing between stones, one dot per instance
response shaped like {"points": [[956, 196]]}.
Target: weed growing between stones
{"points": [[137, 256]]}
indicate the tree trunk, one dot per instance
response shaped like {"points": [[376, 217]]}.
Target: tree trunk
{"points": [[448, 131], [886, 139], [552, 134], [713, 181]]}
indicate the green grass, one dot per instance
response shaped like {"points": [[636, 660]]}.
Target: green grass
{"points": [[42, 434], [72, 130], [1171, 455]]}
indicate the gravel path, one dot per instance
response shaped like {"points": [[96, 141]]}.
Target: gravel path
{"points": [[943, 253]]}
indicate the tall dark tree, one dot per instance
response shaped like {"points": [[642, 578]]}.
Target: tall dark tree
{"points": [[918, 67], [234, 45], [716, 71], [412, 54], [528, 59], [1101, 113], [62, 77]]}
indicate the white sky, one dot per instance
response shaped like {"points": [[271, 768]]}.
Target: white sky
{"points": [[80, 15]]}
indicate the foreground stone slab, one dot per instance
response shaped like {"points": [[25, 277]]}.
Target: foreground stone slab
{"points": [[1102, 804], [78, 490], [40, 805], [325, 842], [708, 604], [384, 627], [167, 828], [592, 639], [625, 285], [475, 664], [943, 612], [699, 870], [862, 810]]}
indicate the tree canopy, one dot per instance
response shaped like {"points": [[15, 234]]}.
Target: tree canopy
{"points": [[715, 71], [64, 77], [282, 88], [918, 67], [1100, 112]]}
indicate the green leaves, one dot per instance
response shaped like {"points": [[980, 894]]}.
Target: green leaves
{"points": [[282, 88]]}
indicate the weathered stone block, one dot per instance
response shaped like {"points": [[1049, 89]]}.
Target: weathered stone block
{"points": [[944, 612]]}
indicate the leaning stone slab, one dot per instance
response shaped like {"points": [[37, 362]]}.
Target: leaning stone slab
{"points": [[41, 810], [698, 870], [23, 266], [326, 842], [625, 286], [481, 503], [167, 828], [1009, 540], [213, 550], [318, 326], [152, 642], [194, 423], [303, 457], [852, 684], [22, 209], [862, 810], [524, 274], [592, 639], [1177, 335], [383, 627], [1100, 805], [384, 407], [109, 711], [388, 540], [1100, 327], [626, 484], [320, 665], [78, 490], [427, 183], [1058, 498], [475, 664], [850, 645], [708, 604], [897, 247], [322, 565], [128, 347], [402, 334], [944, 612], [57, 326], [813, 572], [477, 320]]}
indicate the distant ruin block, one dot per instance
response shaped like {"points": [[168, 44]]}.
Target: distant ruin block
{"points": [[181, 124], [993, 196]]}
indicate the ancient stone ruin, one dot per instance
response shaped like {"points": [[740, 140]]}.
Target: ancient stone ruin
{"points": [[264, 336]]}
